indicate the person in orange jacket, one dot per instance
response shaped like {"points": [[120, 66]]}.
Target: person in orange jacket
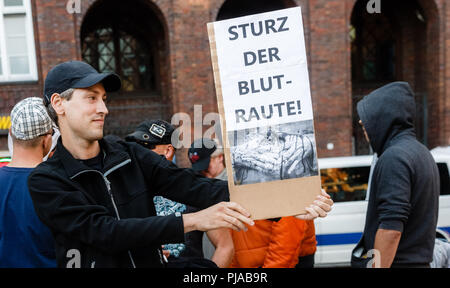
{"points": [[308, 245], [286, 242], [275, 244]]}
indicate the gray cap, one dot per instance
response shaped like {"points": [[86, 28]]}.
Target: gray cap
{"points": [[29, 119]]}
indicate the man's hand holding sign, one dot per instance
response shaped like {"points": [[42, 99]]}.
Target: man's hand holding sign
{"points": [[264, 100], [234, 216], [320, 207]]}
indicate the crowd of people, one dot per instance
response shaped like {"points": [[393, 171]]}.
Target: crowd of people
{"points": [[93, 198], [71, 197]]}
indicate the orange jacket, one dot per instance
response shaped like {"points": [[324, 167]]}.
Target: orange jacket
{"points": [[270, 244]]}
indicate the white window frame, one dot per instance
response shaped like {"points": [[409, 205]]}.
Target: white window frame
{"points": [[6, 75]]}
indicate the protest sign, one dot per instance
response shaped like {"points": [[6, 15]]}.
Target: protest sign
{"points": [[263, 93]]}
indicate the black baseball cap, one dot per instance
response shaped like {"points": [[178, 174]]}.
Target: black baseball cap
{"points": [[200, 153], [77, 74], [152, 132]]}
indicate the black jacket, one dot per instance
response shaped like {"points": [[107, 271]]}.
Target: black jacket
{"points": [[82, 206], [404, 191]]}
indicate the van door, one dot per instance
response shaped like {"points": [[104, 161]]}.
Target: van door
{"points": [[444, 199], [338, 233]]}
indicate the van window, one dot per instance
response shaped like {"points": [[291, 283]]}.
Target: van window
{"points": [[445, 181], [345, 184]]}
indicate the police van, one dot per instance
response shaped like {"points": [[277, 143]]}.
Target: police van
{"points": [[346, 180]]}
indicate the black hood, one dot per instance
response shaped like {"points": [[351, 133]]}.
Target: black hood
{"points": [[386, 112]]}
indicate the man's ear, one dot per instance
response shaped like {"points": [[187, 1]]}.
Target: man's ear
{"points": [[56, 102], [47, 144], [170, 152]]}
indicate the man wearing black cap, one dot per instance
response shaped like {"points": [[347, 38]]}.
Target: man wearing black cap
{"points": [[155, 135], [279, 242], [207, 158], [96, 195]]}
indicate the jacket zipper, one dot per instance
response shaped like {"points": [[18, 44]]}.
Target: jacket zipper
{"points": [[108, 187]]}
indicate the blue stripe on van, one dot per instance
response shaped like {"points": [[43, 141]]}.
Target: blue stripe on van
{"points": [[446, 229], [347, 238], [338, 239]]}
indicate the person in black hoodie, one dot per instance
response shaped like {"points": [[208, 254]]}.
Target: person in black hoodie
{"points": [[403, 202], [96, 194]]}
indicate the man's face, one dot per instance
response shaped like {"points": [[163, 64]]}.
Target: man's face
{"points": [[215, 167], [85, 112], [365, 132]]}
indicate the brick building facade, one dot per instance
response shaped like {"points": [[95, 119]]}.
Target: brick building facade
{"points": [[161, 49]]}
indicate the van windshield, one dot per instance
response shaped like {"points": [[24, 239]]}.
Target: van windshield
{"points": [[445, 179], [350, 184], [345, 184]]}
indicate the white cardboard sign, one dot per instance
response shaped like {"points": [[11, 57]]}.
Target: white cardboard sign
{"points": [[261, 75]]}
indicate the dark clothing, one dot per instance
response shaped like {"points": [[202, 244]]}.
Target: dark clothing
{"points": [[404, 190], [411, 265], [25, 242], [194, 240], [305, 261], [108, 216], [190, 262], [95, 163]]}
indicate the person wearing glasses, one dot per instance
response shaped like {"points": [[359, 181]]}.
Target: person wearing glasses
{"points": [[156, 135], [160, 137]]}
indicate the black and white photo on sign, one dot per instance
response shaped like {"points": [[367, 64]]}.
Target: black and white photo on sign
{"points": [[271, 153]]}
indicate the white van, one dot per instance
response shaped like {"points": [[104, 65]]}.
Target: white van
{"points": [[345, 179]]}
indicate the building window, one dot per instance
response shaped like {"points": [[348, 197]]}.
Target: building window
{"points": [[113, 50], [373, 47], [17, 49]]}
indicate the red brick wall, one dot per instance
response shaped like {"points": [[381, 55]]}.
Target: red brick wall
{"points": [[330, 75], [421, 62], [186, 74]]}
